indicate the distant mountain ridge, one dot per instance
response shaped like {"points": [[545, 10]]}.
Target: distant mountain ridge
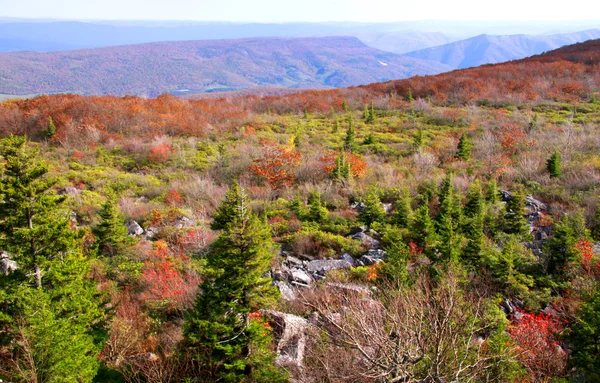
{"points": [[200, 66], [489, 49]]}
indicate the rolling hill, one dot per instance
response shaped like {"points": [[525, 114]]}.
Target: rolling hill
{"points": [[487, 49], [203, 66]]}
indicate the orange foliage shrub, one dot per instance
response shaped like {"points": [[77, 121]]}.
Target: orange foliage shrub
{"points": [[276, 164], [160, 153], [358, 167]]}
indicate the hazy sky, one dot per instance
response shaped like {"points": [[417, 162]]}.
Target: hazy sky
{"points": [[303, 10]]}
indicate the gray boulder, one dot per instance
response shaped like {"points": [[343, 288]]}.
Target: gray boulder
{"points": [[366, 240], [300, 276], [348, 258], [289, 333], [287, 291], [322, 266], [534, 206], [372, 257], [6, 263], [134, 228], [183, 222], [69, 190]]}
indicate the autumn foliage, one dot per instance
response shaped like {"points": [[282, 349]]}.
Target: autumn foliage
{"points": [[276, 165], [160, 153], [167, 283], [538, 346], [358, 166]]}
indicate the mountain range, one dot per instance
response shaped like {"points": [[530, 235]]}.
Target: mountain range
{"points": [[203, 66], [488, 49]]}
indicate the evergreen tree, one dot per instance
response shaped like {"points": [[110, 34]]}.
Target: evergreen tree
{"points": [[418, 140], [50, 129], [50, 310], [228, 210], [369, 114], [409, 96], [345, 105], [492, 194], [534, 124], [394, 269], [514, 217], [370, 139], [297, 206], [423, 231], [331, 112], [336, 126], [349, 141], [553, 165], [473, 225], [403, 215], [464, 148], [449, 202], [510, 266], [585, 337], [342, 170], [316, 211], [372, 211], [449, 220], [561, 246], [224, 331], [112, 234]]}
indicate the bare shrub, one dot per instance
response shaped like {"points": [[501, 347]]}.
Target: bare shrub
{"points": [[432, 332]]}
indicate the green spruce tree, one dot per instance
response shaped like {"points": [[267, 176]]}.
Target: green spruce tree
{"points": [[403, 214], [418, 140], [584, 335], [423, 232], [228, 209], [224, 332], [112, 234], [372, 211], [50, 310], [473, 225], [561, 246], [553, 165], [50, 129], [449, 221], [316, 211], [464, 148], [492, 195], [409, 96], [394, 271], [514, 217], [350, 140]]}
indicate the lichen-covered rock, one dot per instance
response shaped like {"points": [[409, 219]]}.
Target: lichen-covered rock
{"points": [[288, 293], [300, 276], [289, 333], [322, 266], [134, 228], [6, 263]]}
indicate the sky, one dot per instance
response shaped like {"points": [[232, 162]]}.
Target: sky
{"points": [[302, 10]]}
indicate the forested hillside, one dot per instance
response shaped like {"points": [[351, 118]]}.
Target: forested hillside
{"points": [[435, 229], [188, 67], [489, 49]]}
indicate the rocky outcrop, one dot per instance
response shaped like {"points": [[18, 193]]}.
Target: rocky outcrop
{"points": [[320, 267], [372, 257], [289, 333], [134, 228], [69, 190], [368, 237], [6, 263]]}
